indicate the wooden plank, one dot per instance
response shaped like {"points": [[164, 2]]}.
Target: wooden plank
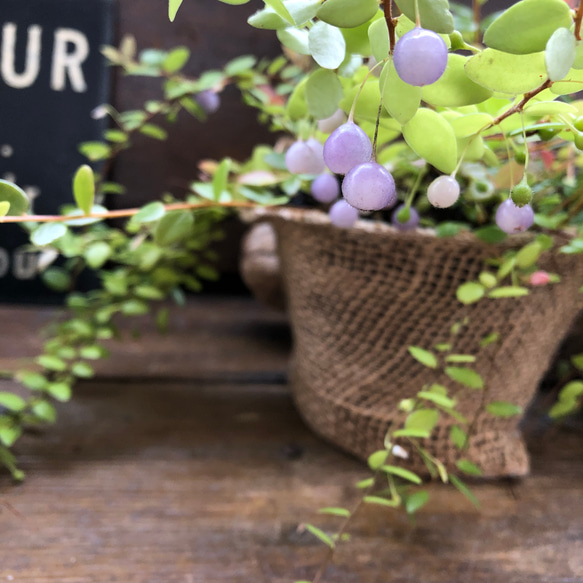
{"points": [[208, 483], [212, 338]]}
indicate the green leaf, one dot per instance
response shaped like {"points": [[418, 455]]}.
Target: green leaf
{"points": [[279, 7], [240, 65], [436, 398], [302, 11], [221, 178], [94, 352], [97, 254], [415, 433], [12, 402], [154, 131], [381, 501], [503, 409], [149, 292], [335, 512], [134, 308], [327, 45], [52, 363], [577, 361], [82, 370], [465, 376], [176, 60], [15, 196], [423, 356], [431, 137], [4, 208], [416, 501], [506, 73], [377, 459], [400, 99], [488, 279], [320, 534], [455, 88], [458, 436], [434, 14], [402, 473], [32, 380], [347, 13], [173, 6], [294, 39], [465, 126], [509, 292], [323, 93], [173, 227], [527, 26], [116, 136], [460, 358], [571, 391], [468, 468], [48, 233], [9, 434], [9, 461], [528, 255], [267, 19], [470, 292], [153, 211], [95, 151], [422, 420], [364, 484], [461, 486], [491, 234], [560, 54], [57, 279], [45, 411], [60, 391], [378, 36]]}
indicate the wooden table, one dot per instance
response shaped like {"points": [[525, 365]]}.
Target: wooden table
{"points": [[185, 462]]}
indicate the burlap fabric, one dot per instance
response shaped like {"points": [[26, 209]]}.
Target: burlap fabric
{"points": [[358, 298]]}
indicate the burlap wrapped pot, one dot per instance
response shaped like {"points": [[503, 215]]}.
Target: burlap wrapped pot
{"points": [[358, 298]]}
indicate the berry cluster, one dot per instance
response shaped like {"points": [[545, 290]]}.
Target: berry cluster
{"points": [[420, 58]]}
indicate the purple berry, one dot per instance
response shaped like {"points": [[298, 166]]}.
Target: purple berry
{"points": [[369, 187], [408, 224], [342, 214], [346, 147], [328, 125], [514, 219], [208, 100], [443, 192], [305, 158], [420, 57], [325, 188]]}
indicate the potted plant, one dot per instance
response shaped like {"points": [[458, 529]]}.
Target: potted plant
{"points": [[420, 336]]}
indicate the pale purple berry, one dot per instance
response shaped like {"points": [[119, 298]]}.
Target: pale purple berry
{"points": [[407, 225], [325, 188], [514, 219], [369, 187], [443, 192], [420, 57], [305, 158], [328, 125], [342, 214], [208, 100], [346, 147]]}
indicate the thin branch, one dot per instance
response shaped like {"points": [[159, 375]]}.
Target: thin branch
{"points": [[123, 212], [388, 7], [578, 20]]}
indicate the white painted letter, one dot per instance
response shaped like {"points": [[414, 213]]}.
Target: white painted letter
{"points": [[65, 62], [4, 262], [25, 265], [28, 77]]}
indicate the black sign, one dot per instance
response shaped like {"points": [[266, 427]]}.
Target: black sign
{"points": [[52, 76]]}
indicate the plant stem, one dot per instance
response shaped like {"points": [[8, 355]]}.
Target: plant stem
{"points": [[520, 105], [388, 8], [122, 213], [376, 132], [477, 19], [578, 20]]}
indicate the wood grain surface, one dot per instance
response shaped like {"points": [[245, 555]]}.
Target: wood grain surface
{"points": [[209, 480]]}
